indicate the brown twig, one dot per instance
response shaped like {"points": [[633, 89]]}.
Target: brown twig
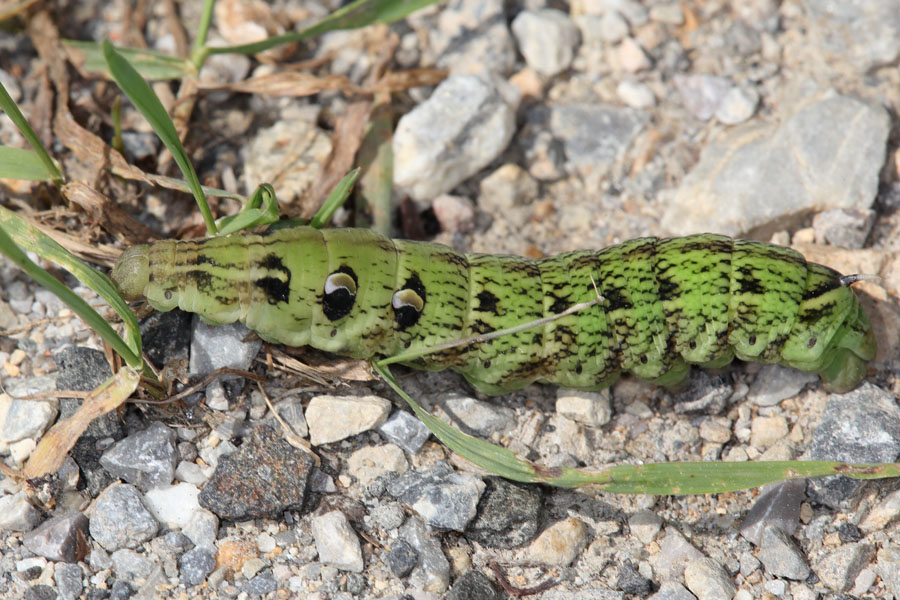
{"points": [[519, 592]]}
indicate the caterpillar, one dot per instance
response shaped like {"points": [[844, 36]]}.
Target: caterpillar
{"points": [[666, 304]]}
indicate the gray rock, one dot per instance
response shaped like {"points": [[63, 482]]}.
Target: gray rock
{"points": [[120, 519], [166, 336], [827, 154], [843, 227], [476, 417], [883, 513], [705, 393], [631, 581], [131, 566], [471, 585], [672, 590], [775, 383], [432, 572], [702, 94], [121, 590], [547, 38], [675, 553], [781, 556], [405, 430], [589, 408], [645, 524], [203, 528], [83, 369], [291, 411], [865, 33], [444, 498], [196, 564], [61, 539], [214, 347], [388, 516], [146, 459], [260, 585], [708, 580], [460, 129], [862, 426], [777, 506], [264, 478], [472, 38], [402, 558], [737, 105], [839, 568], [17, 513], [888, 567], [613, 27], [508, 514], [592, 136], [68, 579], [336, 542], [21, 419]]}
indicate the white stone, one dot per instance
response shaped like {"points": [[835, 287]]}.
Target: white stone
{"points": [[559, 544], [336, 542], [547, 38], [190, 472], [173, 505], [20, 419], [635, 94], [17, 514], [334, 418], [590, 408]]}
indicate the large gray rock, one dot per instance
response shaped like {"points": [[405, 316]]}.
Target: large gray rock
{"points": [[827, 154]]}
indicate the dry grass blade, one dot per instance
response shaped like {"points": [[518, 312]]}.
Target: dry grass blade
{"points": [[56, 443], [287, 83], [346, 369], [107, 213], [346, 140], [398, 81]]}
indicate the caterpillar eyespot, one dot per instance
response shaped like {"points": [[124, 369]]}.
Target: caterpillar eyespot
{"points": [[667, 304]]}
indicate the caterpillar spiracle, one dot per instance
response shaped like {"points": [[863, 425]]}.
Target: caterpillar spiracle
{"points": [[667, 304]]}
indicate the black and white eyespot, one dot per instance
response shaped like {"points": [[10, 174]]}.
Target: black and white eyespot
{"points": [[409, 302], [339, 293]]}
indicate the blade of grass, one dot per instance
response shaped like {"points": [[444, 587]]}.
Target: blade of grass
{"points": [[261, 209], [150, 64], [16, 163], [145, 100], [335, 200], [354, 15], [13, 227], [18, 119], [661, 478], [197, 53]]}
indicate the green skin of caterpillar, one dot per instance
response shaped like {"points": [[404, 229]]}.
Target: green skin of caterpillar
{"points": [[667, 303]]}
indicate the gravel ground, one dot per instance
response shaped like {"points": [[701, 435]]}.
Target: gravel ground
{"points": [[560, 126]]}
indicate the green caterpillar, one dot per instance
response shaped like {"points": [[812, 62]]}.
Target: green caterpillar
{"points": [[666, 304]]}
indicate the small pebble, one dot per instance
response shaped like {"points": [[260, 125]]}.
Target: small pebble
{"points": [[334, 418], [336, 542], [559, 544]]}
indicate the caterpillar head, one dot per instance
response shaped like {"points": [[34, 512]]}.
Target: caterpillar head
{"points": [[132, 272]]}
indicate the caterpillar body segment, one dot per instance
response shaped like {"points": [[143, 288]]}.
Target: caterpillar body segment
{"points": [[667, 303]]}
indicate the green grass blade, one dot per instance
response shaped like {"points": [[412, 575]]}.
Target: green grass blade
{"points": [[335, 199], [198, 51], [261, 209], [657, 478], [145, 100], [16, 163], [18, 119], [354, 15], [15, 230], [152, 65]]}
